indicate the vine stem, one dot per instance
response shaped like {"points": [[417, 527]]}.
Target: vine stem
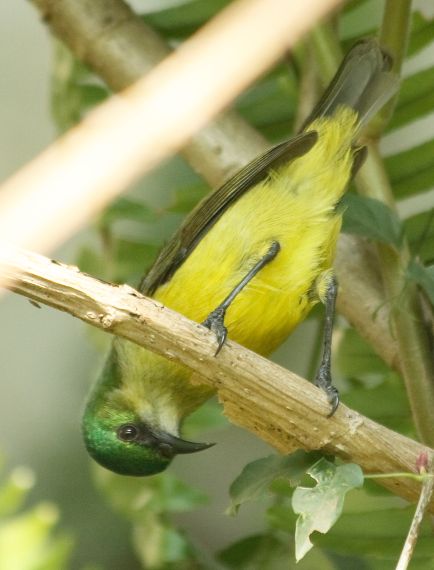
{"points": [[413, 532], [394, 34], [414, 476], [408, 327]]}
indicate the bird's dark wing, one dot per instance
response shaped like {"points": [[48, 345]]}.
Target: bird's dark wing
{"points": [[209, 210]]}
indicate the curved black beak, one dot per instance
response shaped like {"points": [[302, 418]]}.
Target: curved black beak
{"points": [[175, 445]]}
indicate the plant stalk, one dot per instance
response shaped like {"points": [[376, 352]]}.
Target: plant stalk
{"points": [[394, 34], [409, 329]]}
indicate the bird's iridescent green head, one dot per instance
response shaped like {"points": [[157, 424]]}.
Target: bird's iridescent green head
{"points": [[125, 446], [130, 447], [128, 430]]}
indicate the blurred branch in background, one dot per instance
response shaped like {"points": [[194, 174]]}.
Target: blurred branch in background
{"points": [[276, 405], [128, 135]]}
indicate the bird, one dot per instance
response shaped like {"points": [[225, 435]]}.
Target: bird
{"points": [[249, 262]]}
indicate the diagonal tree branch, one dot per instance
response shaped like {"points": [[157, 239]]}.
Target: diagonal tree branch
{"points": [[275, 404], [120, 47]]}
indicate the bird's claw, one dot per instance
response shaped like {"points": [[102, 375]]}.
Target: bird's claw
{"points": [[323, 380], [333, 398], [215, 323]]}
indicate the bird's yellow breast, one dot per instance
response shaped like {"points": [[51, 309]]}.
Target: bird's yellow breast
{"points": [[295, 206]]}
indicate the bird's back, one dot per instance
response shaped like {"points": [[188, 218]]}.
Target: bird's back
{"points": [[296, 206]]}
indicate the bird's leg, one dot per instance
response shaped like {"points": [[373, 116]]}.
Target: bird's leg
{"points": [[323, 377], [215, 320]]}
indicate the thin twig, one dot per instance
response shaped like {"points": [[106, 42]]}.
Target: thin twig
{"points": [[413, 532]]}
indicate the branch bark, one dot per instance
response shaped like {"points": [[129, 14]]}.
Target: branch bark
{"points": [[275, 404]]}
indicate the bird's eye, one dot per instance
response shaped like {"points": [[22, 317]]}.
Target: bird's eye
{"points": [[128, 432]]}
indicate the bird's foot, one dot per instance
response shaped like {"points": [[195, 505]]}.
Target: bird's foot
{"points": [[323, 380], [215, 323]]}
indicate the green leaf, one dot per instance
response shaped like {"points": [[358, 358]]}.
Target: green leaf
{"points": [[127, 208], [27, 542], [57, 554], [386, 523], [124, 261], [179, 21], [372, 219], [282, 517], [355, 357], [320, 507], [74, 89], [92, 95], [132, 259], [386, 403], [15, 489], [186, 198], [137, 498], [376, 534], [372, 497], [422, 33], [363, 17], [371, 388], [270, 104], [360, 18], [419, 230], [412, 170], [254, 552], [255, 479], [416, 98], [423, 276], [91, 261], [148, 504], [374, 550], [161, 547]]}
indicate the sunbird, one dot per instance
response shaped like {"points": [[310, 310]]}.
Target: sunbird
{"points": [[250, 261]]}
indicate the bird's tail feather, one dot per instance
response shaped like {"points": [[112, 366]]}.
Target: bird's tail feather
{"points": [[364, 82]]}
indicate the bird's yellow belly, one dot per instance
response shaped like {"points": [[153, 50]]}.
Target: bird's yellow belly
{"points": [[281, 294]]}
